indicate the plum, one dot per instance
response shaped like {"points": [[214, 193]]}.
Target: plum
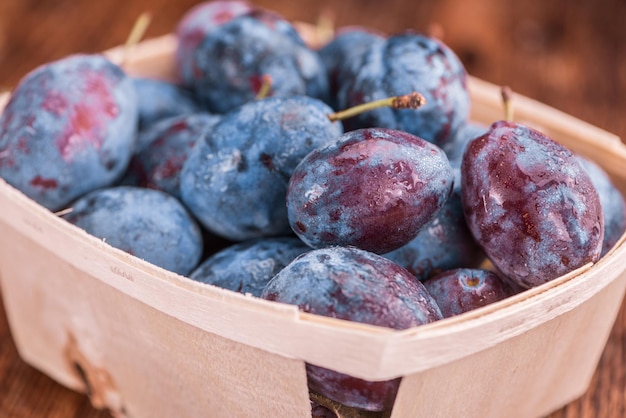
{"points": [[356, 285], [159, 99], [342, 56], [248, 266], [200, 20], [530, 204], [462, 290], [232, 61], [371, 188], [401, 64], [69, 128], [146, 223], [163, 148], [612, 201]]}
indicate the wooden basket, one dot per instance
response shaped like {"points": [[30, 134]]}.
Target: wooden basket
{"points": [[146, 342]]}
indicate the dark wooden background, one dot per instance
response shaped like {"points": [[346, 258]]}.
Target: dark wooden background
{"points": [[570, 54]]}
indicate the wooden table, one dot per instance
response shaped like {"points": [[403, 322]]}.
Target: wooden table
{"points": [[568, 54]]}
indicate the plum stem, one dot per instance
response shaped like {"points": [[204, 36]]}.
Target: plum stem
{"points": [[507, 96], [135, 35], [64, 211], [408, 101], [266, 86], [325, 26]]}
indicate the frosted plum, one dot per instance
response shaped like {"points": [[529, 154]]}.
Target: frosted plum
{"points": [[372, 188], [68, 128], [356, 285], [530, 204]]}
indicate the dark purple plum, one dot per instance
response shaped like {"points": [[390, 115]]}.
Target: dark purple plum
{"points": [[342, 56], [612, 201], [355, 285], [246, 267], [372, 188], [232, 60], [195, 25], [462, 290], [159, 99], [69, 128], [530, 204], [402, 64], [162, 150], [446, 243], [235, 179], [148, 224]]}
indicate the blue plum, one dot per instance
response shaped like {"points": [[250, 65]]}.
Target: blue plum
{"points": [[371, 188], [402, 64], [355, 285], [462, 290], [612, 201], [68, 128], [159, 99], [235, 179], [231, 61], [200, 20], [163, 148], [248, 266], [530, 204], [342, 57], [146, 223]]}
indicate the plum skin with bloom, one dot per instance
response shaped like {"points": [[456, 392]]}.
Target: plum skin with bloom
{"points": [[194, 26], [68, 128], [372, 188], [612, 201], [232, 60], [402, 64], [149, 224], [530, 204], [160, 99], [162, 149], [248, 266], [356, 285]]}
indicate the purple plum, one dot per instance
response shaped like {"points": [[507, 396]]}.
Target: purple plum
{"points": [[371, 188], [530, 204], [461, 290]]}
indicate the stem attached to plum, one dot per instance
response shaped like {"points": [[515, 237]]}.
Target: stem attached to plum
{"points": [[266, 87], [507, 96], [408, 101], [135, 35]]}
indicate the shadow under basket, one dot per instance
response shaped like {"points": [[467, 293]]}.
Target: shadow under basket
{"points": [[145, 342]]}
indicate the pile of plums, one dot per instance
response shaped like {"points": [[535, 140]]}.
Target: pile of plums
{"points": [[392, 217]]}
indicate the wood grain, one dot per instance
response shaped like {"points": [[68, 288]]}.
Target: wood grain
{"points": [[568, 54]]}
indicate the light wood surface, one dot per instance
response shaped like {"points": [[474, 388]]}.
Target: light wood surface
{"points": [[29, 44]]}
